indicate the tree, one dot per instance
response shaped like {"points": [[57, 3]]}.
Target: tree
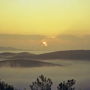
{"points": [[42, 83], [67, 85], [4, 86]]}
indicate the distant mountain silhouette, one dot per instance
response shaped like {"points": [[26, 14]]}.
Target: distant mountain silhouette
{"points": [[24, 55], [7, 55], [25, 59], [21, 55], [70, 54]]}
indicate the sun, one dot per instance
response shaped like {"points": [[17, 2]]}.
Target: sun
{"points": [[44, 43]]}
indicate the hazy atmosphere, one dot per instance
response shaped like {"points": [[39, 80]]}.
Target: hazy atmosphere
{"points": [[44, 44], [55, 24]]}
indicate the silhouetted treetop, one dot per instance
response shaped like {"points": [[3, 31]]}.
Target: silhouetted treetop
{"points": [[67, 85], [5, 86], [42, 83]]}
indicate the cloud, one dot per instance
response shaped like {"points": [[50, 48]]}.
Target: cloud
{"points": [[86, 37], [69, 37], [74, 41], [23, 37], [33, 42]]}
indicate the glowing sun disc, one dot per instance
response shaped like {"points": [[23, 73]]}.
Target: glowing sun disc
{"points": [[44, 43]]}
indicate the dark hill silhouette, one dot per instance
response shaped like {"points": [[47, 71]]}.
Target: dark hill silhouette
{"points": [[24, 55], [70, 54], [10, 55], [25, 63], [7, 55]]}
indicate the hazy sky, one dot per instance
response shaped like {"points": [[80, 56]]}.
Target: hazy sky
{"points": [[41, 24]]}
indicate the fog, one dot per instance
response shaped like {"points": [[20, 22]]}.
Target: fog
{"points": [[70, 69]]}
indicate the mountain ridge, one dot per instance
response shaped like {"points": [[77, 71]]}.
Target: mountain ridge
{"points": [[69, 54]]}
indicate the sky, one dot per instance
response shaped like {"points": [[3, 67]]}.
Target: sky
{"points": [[45, 24]]}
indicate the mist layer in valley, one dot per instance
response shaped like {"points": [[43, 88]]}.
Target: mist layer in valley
{"points": [[26, 59]]}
